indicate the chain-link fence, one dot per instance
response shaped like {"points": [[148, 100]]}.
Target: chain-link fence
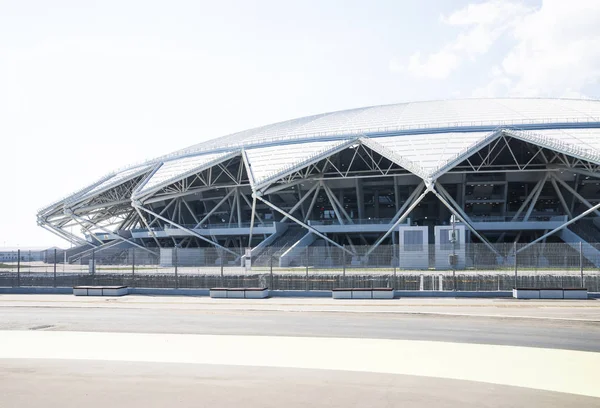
{"points": [[472, 267]]}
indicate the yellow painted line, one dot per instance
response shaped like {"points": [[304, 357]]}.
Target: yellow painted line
{"points": [[545, 369]]}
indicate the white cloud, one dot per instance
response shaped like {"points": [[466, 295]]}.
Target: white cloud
{"points": [[557, 50], [436, 66], [552, 50], [482, 24]]}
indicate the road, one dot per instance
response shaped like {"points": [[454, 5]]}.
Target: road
{"points": [[159, 352], [572, 335]]}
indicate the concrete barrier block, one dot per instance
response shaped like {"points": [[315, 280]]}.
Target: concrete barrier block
{"points": [[218, 293], [526, 293], [362, 294], [257, 293], [236, 293], [383, 294], [575, 293], [551, 293], [342, 294], [80, 291], [117, 291], [94, 292]]}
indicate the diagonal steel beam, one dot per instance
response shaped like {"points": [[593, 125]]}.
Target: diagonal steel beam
{"points": [[189, 231], [333, 205], [297, 221], [411, 197], [399, 220], [575, 193], [116, 235], [464, 218], [337, 202], [64, 235], [92, 235], [312, 202], [566, 224], [219, 204], [148, 226], [535, 197], [299, 203], [538, 186], [561, 198]]}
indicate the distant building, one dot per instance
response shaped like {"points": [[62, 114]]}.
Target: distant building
{"points": [[28, 254]]}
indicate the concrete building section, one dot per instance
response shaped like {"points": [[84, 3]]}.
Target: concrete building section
{"points": [[509, 170]]}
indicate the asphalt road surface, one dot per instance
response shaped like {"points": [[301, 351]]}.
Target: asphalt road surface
{"points": [[573, 335], [39, 371]]}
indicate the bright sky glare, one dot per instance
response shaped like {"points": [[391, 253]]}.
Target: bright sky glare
{"points": [[89, 87]]}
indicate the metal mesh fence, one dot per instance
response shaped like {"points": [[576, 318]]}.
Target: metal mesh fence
{"points": [[474, 267]]}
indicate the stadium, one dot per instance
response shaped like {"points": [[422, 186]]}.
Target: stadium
{"points": [[427, 178]]}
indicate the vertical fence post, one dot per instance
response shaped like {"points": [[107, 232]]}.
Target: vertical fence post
{"points": [[396, 260], [581, 264], [18, 267], [133, 266], [396, 264], [54, 280], [271, 271], [344, 263], [306, 283], [516, 263], [93, 267], [176, 274], [222, 262]]}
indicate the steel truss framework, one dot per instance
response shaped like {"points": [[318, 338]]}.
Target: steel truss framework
{"points": [[358, 182]]}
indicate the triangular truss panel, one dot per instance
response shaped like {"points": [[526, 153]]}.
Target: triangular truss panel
{"points": [[115, 181], [273, 162], [426, 154], [177, 169], [582, 144]]}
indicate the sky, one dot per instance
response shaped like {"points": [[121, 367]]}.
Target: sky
{"points": [[87, 87]]}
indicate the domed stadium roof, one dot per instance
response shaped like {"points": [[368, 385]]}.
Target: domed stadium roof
{"points": [[414, 118], [422, 137]]}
